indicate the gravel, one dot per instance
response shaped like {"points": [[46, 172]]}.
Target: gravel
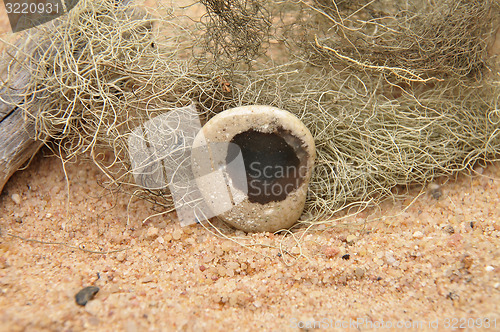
{"points": [[86, 294], [194, 280]]}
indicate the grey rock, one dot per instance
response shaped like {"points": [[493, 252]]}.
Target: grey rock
{"points": [[86, 294]]}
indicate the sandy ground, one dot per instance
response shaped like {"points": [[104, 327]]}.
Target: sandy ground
{"points": [[438, 260], [434, 265]]}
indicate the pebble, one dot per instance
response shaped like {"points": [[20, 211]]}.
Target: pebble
{"points": [[467, 261], [86, 294], [147, 279], [351, 238], [359, 272], [389, 258], [226, 245], [121, 256], [449, 229], [232, 265], [19, 214], [94, 307], [152, 233], [418, 235], [16, 198], [176, 235], [490, 268], [221, 270], [330, 251]]}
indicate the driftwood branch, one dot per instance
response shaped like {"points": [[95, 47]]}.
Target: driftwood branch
{"points": [[17, 132], [17, 143]]}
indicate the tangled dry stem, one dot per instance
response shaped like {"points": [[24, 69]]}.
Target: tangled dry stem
{"points": [[394, 94]]}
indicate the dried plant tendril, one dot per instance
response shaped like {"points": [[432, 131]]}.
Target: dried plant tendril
{"points": [[394, 93]]}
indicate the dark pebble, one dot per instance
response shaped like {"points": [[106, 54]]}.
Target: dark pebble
{"points": [[86, 294], [452, 296], [346, 256], [449, 229]]}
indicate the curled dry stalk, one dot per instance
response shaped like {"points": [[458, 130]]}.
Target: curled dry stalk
{"points": [[394, 92], [102, 70]]}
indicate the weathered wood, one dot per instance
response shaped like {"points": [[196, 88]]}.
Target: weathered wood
{"points": [[16, 144], [16, 133]]}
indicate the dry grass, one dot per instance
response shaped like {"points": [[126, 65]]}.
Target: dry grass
{"points": [[394, 96]]}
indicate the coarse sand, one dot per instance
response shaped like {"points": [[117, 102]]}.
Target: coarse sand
{"points": [[431, 265], [439, 259]]}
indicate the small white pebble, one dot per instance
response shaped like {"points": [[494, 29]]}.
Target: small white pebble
{"points": [[497, 285], [226, 245], [94, 307], [221, 270], [147, 279], [19, 214], [389, 257], [152, 232], [359, 272], [350, 238], [176, 235], [121, 256], [232, 265], [418, 235], [489, 268], [16, 198]]}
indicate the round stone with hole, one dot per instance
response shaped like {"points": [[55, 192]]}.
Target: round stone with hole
{"points": [[253, 165]]}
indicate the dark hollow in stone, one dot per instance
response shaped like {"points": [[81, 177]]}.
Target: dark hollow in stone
{"points": [[86, 294], [275, 164]]}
